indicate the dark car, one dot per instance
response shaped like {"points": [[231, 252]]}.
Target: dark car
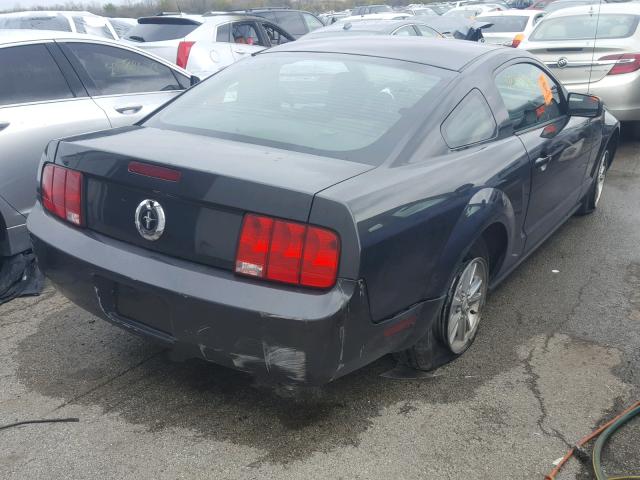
{"points": [[457, 27], [295, 22], [410, 27], [323, 203]]}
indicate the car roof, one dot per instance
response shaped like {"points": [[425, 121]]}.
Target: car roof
{"points": [[369, 25], [512, 13], [447, 54], [630, 8], [31, 13], [17, 35]]}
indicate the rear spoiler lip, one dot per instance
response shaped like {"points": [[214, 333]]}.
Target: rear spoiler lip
{"points": [[168, 21]]}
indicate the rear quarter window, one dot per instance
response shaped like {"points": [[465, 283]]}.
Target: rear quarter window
{"points": [[584, 27], [470, 122]]}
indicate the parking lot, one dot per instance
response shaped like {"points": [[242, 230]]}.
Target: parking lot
{"points": [[557, 354]]}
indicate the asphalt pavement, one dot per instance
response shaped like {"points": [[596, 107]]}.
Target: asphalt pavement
{"points": [[557, 354]]}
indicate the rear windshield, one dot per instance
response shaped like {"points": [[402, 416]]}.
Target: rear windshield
{"points": [[157, 30], [583, 27], [504, 24], [341, 106], [36, 22]]}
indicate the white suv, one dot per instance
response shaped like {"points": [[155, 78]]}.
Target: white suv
{"points": [[205, 44]]}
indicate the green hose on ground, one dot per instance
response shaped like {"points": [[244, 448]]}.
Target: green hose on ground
{"points": [[602, 439]]}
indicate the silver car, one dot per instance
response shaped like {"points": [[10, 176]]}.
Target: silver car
{"points": [[61, 84], [608, 67]]}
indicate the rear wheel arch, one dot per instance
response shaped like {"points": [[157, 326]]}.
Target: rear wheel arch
{"points": [[496, 241]]}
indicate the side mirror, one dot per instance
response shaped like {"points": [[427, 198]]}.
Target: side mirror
{"points": [[194, 80], [584, 105]]}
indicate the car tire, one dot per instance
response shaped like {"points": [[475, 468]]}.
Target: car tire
{"points": [[438, 346], [592, 198]]}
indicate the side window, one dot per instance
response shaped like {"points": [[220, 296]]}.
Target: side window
{"points": [[530, 95], [224, 33], [33, 77], [470, 122], [427, 31], [312, 22], [276, 35], [116, 71], [405, 31], [245, 34], [292, 22]]}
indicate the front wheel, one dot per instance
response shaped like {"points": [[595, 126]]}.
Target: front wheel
{"points": [[592, 198]]}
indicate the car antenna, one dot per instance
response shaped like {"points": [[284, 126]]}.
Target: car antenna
{"points": [[178, 6], [593, 47]]}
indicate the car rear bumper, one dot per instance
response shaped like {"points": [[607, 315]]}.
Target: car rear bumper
{"points": [[620, 93], [281, 334]]}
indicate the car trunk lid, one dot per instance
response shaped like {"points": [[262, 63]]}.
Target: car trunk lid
{"points": [[219, 182], [574, 62]]}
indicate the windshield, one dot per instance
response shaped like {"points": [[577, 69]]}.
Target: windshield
{"points": [[36, 22], [504, 24], [341, 106], [583, 27], [158, 30]]}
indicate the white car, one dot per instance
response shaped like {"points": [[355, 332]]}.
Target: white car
{"points": [[61, 21], [509, 27], [608, 68], [205, 44], [473, 11]]}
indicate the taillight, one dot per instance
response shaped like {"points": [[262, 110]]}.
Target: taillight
{"points": [[184, 49], [288, 252], [517, 40], [61, 191], [625, 63]]}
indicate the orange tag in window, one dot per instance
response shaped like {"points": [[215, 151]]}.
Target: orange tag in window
{"points": [[547, 94]]}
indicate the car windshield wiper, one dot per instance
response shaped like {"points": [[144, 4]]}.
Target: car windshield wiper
{"points": [[136, 38]]}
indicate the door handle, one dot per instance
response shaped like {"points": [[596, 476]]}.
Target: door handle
{"points": [[542, 162], [4, 125], [241, 52], [129, 110]]}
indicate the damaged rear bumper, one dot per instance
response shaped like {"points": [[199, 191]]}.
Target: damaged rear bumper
{"points": [[282, 334]]}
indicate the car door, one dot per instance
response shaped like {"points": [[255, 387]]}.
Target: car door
{"points": [[559, 146], [247, 39], [38, 103], [125, 84]]}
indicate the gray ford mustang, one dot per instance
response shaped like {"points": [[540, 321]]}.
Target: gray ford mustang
{"points": [[324, 203]]}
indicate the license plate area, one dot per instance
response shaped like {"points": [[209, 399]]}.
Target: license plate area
{"points": [[143, 307]]}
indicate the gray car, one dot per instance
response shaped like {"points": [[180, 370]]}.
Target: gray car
{"points": [[62, 84]]}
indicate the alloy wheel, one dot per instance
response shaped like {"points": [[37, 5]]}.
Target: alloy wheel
{"points": [[466, 305], [602, 173]]}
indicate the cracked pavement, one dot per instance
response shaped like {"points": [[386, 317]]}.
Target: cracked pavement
{"points": [[557, 355]]}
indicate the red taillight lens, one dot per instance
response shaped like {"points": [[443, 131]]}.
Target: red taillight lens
{"points": [[184, 49], [625, 63], [61, 191], [287, 252], [253, 247], [320, 261]]}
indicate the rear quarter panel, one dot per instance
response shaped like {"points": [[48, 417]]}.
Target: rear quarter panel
{"points": [[415, 222]]}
